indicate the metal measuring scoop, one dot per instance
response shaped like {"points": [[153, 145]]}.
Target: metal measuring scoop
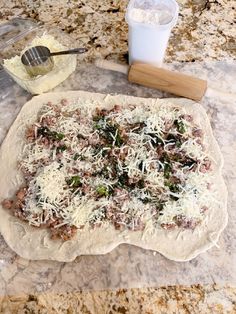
{"points": [[38, 60]]}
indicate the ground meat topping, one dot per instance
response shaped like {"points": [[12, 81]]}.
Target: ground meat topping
{"points": [[84, 167]]}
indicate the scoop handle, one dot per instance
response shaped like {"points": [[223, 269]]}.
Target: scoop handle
{"points": [[68, 52]]}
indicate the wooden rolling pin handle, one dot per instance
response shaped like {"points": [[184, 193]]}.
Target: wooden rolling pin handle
{"points": [[168, 81], [108, 65], [159, 78]]}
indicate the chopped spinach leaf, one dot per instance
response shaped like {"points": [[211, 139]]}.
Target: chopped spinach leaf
{"points": [[141, 184], [100, 124], [145, 200], [119, 141], [174, 138], [142, 167], [103, 191], [165, 158], [180, 126], [155, 140], [174, 187], [61, 148], [43, 131], [109, 131], [96, 149], [76, 156], [123, 179], [53, 135], [57, 136], [74, 181], [167, 170], [96, 118]]}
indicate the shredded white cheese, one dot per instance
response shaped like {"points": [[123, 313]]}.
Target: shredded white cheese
{"points": [[78, 207]]}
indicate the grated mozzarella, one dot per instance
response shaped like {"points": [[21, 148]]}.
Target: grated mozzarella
{"points": [[49, 185]]}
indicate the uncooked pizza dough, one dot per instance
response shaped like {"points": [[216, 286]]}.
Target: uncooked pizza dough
{"points": [[34, 243]]}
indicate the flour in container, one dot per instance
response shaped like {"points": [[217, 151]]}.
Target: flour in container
{"points": [[159, 16]]}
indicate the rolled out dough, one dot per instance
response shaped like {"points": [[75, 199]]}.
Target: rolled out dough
{"points": [[33, 243]]}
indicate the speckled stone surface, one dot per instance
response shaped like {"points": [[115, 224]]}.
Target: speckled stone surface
{"points": [[205, 29], [179, 300], [31, 287]]}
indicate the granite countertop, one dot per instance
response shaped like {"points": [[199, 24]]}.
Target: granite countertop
{"points": [[205, 32], [205, 29], [166, 300]]}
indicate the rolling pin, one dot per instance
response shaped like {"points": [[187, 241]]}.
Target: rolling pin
{"points": [[159, 78]]}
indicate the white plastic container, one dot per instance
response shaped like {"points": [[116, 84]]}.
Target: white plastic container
{"points": [[150, 23]]}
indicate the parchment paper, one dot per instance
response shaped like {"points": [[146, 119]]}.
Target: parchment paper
{"points": [[129, 266]]}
